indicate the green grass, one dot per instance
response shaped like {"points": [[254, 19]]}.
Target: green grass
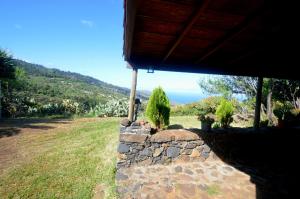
{"points": [[79, 158], [69, 162], [185, 121], [213, 190]]}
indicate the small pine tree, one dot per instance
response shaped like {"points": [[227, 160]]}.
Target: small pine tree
{"points": [[224, 113], [158, 108]]}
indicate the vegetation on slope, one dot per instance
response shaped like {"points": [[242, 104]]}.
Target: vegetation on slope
{"points": [[34, 90]]}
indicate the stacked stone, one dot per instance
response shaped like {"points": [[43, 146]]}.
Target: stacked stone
{"points": [[138, 146]]}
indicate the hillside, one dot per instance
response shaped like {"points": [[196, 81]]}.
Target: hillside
{"points": [[38, 90], [92, 85]]}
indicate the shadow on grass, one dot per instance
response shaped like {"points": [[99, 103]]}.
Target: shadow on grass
{"points": [[267, 155], [12, 127], [175, 126]]}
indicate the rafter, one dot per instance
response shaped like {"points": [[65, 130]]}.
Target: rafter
{"points": [[129, 23], [192, 21], [231, 35]]}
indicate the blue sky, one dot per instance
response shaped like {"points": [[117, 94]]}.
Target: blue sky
{"points": [[84, 36]]}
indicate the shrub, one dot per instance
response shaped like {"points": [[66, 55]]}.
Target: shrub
{"points": [[206, 106], [224, 113], [117, 108], [158, 108], [209, 104], [264, 123], [183, 110], [216, 125], [281, 110]]}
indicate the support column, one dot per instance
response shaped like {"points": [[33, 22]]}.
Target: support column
{"points": [[132, 94], [0, 101], [258, 102]]}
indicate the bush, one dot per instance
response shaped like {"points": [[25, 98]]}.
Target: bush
{"points": [[158, 108], [281, 110], [216, 125], [183, 110], [206, 106], [117, 108], [224, 113], [264, 123]]}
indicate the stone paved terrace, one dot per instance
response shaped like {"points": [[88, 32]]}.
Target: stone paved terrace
{"points": [[188, 163], [209, 179]]}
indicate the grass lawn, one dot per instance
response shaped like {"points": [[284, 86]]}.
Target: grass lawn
{"points": [[63, 159]]}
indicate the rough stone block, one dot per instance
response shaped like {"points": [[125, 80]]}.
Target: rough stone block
{"points": [[187, 151], [158, 151], [123, 148], [125, 122], [195, 153], [173, 152], [130, 137], [206, 148], [190, 146], [145, 162], [146, 152], [174, 135]]}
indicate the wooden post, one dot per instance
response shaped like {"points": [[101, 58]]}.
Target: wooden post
{"points": [[132, 94], [0, 101], [258, 102]]}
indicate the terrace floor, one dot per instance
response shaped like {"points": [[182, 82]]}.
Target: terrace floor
{"points": [[209, 179]]}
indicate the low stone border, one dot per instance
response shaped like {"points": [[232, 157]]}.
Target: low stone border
{"points": [[138, 146]]}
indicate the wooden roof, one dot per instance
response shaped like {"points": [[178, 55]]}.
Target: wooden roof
{"points": [[236, 37]]}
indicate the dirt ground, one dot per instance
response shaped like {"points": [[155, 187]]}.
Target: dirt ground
{"points": [[20, 138]]}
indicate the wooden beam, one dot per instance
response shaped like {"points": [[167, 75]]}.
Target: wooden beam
{"points": [[258, 102], [132, 94], [129, 23], [243, 56], [230, 35], [190, 24]]}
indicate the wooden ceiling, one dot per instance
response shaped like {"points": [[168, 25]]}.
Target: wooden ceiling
{"points": [[235, 37]]}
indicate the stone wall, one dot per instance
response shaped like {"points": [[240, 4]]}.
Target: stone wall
{"points": [[139, 146]]}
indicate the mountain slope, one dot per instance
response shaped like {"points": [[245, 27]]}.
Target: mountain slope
{"points": [[91, 84], [40, 91]]}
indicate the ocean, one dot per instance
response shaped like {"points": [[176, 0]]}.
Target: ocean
{"points": [[184, 97]]}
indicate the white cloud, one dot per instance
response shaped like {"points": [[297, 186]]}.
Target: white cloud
{"points": [[87, 23], [18, 26]]}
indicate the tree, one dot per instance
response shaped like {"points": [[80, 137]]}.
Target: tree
{"points": [[278, 89], [228, 85], [287, 90], [7, 70], [158, 108]]}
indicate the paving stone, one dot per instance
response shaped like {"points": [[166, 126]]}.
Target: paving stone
{"points": [[202, 187], [183, 180], [178, 169], [188, 171], [186, 189], [121, 176], [228, 168]]}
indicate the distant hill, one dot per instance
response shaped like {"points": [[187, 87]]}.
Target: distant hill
{"points": [[47, 85], [37, 70]]}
